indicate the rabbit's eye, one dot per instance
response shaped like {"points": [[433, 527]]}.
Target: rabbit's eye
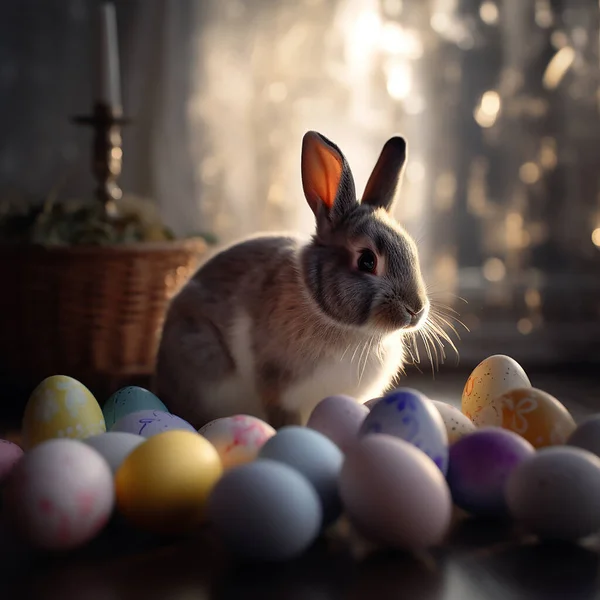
{"points": [[367, 261]]}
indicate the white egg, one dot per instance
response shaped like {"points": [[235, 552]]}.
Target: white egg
{"points": [[394, 494], [457, 425], [238, 438], [491, 378], [411, 416], [265, 510], [114, 446], [555, 493], [60, 494], [314, 456], [339, 418]]}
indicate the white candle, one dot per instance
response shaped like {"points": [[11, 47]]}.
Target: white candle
{"points": [[109, 77]]}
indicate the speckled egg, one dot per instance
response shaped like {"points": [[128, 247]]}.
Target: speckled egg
{"points": [[491, 378], [480, 464], [457, 425], [555, 493], [150, 422], [10, 454], [238, 438], [60, 494], [339, 418], [536, 415], [127, 400], [587, 435], [411, 416], [61, 406]]}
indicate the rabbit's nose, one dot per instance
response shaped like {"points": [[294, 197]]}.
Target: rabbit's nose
{"points": [[415, 315]]}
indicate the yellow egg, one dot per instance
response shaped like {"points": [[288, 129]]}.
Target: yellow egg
{"points": [[535, 415], [491, 378], [61, 407], [163, 485]]}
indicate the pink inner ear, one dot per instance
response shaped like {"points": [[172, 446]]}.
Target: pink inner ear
{"points": [[321, 172]]}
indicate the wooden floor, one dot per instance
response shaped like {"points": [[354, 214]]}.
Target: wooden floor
{"points": [[479, 561]]}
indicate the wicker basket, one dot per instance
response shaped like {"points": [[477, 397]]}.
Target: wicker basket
{"points": [[88, 311]]}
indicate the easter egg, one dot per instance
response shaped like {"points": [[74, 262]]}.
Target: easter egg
{"points": [[10, 454], [479, 466], [265, 510], [61, 406], [60, 494], [163, 484], [114, 446], [537, 416], [150, 422], [394, 494], [316, 457], [411, 416], [555, 493], [587, 435], [456, 424], [339, 418], [237, 439], [491, 378], [128, 400]]}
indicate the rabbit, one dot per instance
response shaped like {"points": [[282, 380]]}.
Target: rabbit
{"points": [[273, 324]]}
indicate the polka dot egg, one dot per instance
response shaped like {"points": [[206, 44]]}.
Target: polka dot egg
{"points": [[61, 407]]}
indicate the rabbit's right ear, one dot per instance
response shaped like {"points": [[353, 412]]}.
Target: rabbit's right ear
{"points": [[326, 178]]}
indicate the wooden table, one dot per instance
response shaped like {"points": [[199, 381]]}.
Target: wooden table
{"points": [[480, 560]]}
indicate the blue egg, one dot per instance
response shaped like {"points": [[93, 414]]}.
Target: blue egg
{"points": [[150, 422], [411, 416], [127, 400]]}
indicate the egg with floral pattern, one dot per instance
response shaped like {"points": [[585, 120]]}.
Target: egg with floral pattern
{"points": [[408, 414], [61, 407], [491, 378], [536, 416]]}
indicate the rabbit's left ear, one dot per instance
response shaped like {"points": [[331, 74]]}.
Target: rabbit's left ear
{"points": [[386, 177]]}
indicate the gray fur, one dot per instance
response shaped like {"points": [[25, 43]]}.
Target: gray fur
{"points": [[305, 303]]}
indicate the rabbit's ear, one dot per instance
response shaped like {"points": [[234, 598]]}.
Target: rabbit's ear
{"points": [[386, 177], [326, 178]]}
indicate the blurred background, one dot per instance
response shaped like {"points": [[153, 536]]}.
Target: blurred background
{"points": [[498, 99]]}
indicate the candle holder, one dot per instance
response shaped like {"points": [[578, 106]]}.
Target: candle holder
{"points": [[107, 156]]}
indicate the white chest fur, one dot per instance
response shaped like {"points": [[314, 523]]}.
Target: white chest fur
{"points": [[363, 374]]}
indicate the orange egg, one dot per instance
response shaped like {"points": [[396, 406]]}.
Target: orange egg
{"points": [[535, 415]]}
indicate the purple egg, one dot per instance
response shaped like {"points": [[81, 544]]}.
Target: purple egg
{"points": [[480, 464], [10, 454], [150, 422]]}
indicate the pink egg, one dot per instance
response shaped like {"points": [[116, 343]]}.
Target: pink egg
{"points": [[394, 494], [339, 418], [238, 439], [60, 494], [10, 454]]}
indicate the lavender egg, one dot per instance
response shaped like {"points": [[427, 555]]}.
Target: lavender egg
{"points": [[150, 422], [408, 414], [480, 464], [339, 418]]}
